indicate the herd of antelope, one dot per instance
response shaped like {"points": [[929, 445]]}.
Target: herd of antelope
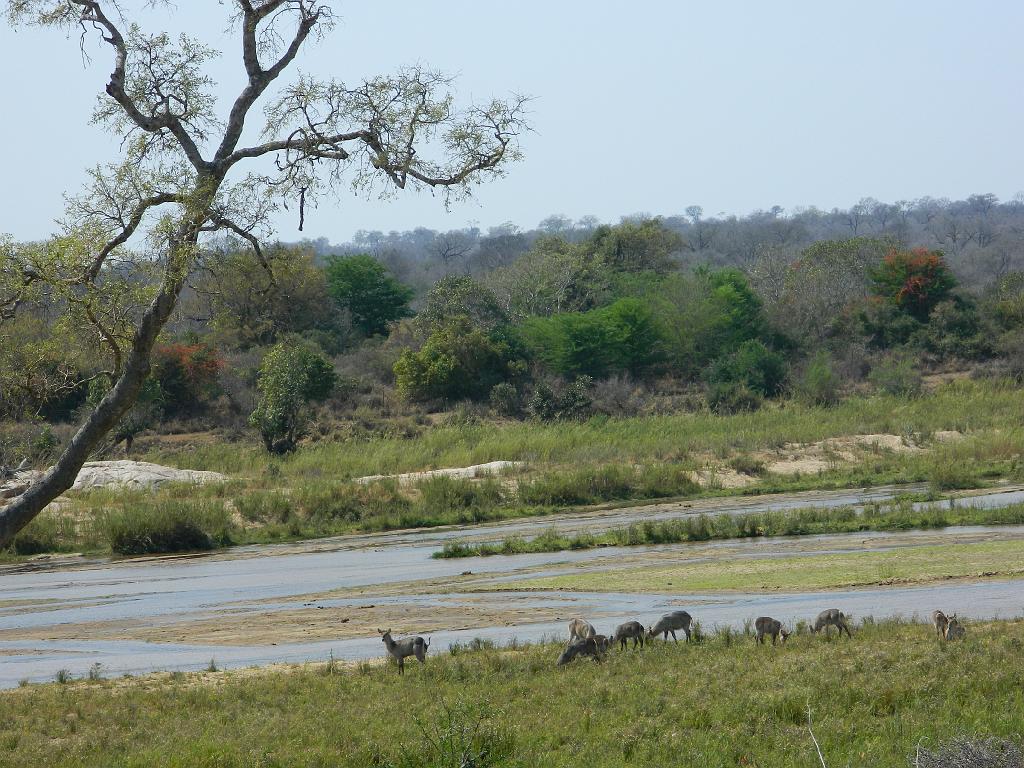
{"points": [[584, 640]]}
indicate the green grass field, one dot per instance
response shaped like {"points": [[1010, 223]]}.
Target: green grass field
{"points": [[722, 702]]}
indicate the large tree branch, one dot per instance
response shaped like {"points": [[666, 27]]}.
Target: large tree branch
{"points": [[92, 12], [127, 231], [259, 78]]}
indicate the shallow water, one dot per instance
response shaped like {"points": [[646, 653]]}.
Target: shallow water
{"points": [[281, 577]]}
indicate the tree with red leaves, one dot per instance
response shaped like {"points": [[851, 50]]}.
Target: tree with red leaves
{"points": [[187, 374], [915, 280]]}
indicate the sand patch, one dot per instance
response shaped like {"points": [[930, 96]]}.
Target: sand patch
{"points": [[460, 473]]}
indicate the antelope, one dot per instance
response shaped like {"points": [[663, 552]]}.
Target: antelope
{"points": [[940, 622], [408, 646], [586, 647], [580, 629], [832, 617], [670, 622], [604, 643], [766, 625], [954, 629], [631, 629]]}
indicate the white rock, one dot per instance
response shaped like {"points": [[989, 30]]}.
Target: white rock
{"points": [[462, 473]]}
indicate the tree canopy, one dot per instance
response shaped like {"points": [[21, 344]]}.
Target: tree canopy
{"points": [[185, 175]]}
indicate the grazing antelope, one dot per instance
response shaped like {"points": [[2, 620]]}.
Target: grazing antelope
{"points": [[766, 625], [604, 643], [832, 617], [409, 646], [940, 622], [586, 647], [954, 629], [580, 630], [631, 629], [670, 622]]}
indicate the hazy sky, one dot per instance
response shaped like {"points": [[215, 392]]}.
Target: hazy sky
{"points": [[639, 107]]}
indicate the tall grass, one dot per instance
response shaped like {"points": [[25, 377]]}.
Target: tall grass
{"points": [[961, 406], [803, 522], [723, 701]]}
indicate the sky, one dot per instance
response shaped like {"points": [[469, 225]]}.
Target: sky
{"points": [[645, 107]]}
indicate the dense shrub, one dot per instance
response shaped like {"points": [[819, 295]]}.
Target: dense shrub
{"points": [[896, 375], [457, 362], [167, 526], [505, 399], [915, 281], [352, 502], [187, 375], [733, 397], [461, 296], [624, 336], [753, 365], [560, 401], [819, 384]]}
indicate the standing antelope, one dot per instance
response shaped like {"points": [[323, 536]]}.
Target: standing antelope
{"points": [[940, 622], [580, 630], [409, 646], [766, 625], [832, 617], [631, 629], [670, 622], [954, 629], [586, 647]]}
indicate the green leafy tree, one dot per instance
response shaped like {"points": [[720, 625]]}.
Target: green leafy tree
{"points": [[458, 361], [364, 287], [185, 174], [639, 246], [292, 375]]}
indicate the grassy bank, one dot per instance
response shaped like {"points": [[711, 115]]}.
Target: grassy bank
{"points": [[722, 702], [309, 494], [803, 522], [964, 406], [907, 565]]}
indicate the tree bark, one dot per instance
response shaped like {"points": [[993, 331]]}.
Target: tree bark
{"points": [[62, 475]]}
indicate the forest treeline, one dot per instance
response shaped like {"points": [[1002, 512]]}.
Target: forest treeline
{"points": [[569, 320]]}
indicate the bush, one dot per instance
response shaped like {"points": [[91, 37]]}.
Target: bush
{"points": [[457, 362], [753, 366], [558, 402], [819, 384], [442, 495], [187, 376], [167, 526], [291, 376], [915, 281], [897, 376], [732, 397], [351, 502], [622, 337], [364, 287], [504, 399]]}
